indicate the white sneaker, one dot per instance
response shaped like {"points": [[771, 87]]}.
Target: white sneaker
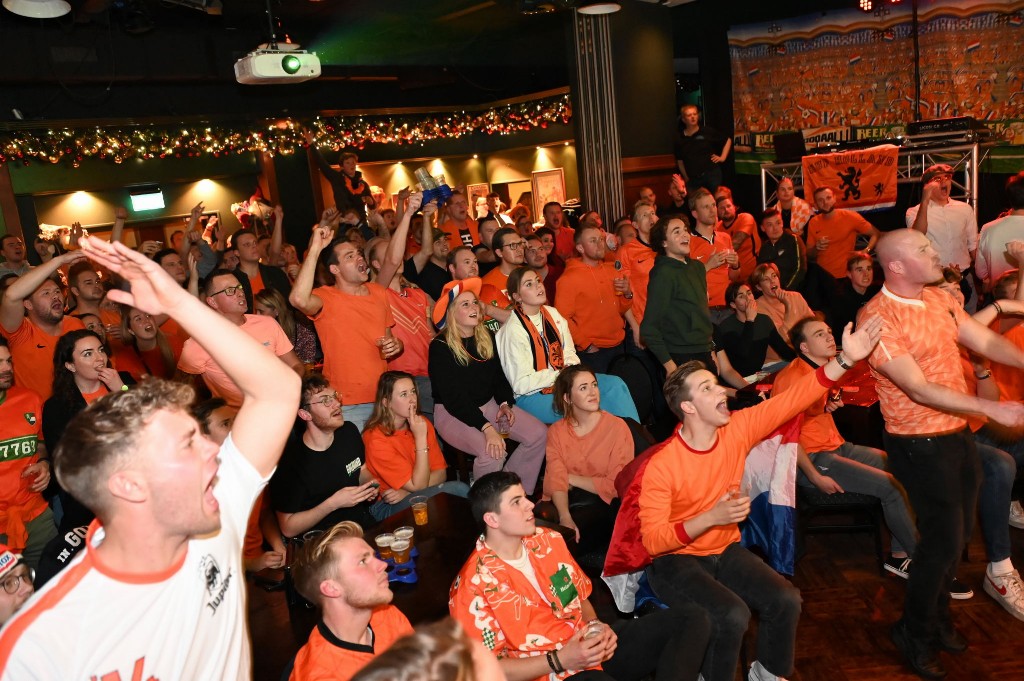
{"points": [[1008, 592], [759, 673], [1016, 515]]}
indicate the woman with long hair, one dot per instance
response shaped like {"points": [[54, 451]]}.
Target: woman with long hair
{"points": [[535, 344], [586, 449], [144, 349], [81, 375], [270, 303], [472, 397], [402, 451]]}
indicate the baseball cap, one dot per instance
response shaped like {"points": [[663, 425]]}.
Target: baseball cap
{"points": [[935, 171], [436, 234], [8, 561], [452, 290]]}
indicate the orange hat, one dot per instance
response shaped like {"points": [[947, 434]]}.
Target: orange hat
{"points": [[452, 290]]}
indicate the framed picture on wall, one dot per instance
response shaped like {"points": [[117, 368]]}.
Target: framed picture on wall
{"points": [[475, 192], [548, 186]]}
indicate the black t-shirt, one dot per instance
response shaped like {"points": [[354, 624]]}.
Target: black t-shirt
{"points": [[431, 278], [696, 150], [746, 343], [305, 478]]}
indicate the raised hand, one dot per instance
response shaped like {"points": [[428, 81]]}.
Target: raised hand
{"points": [[415, 201], [152, 289], [330, 218], [859, 344]]}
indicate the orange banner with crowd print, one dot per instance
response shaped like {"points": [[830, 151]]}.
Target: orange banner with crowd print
{"points": [[861, 180]]}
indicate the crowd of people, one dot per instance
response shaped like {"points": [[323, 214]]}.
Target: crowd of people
{"points": [[148, 396]]}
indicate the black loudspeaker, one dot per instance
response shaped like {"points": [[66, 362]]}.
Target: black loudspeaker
{"points": [[789, 147]]}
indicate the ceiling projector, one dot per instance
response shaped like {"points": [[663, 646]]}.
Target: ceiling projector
{"points": [[277, 67]]}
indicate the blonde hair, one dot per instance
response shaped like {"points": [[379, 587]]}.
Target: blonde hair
{"points": [[484, 341], [162, 344], [315, 561], [273, 299], [441, 651]]}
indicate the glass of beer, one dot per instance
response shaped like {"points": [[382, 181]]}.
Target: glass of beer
{"points": [[406, 532], [503, 427], [400, 550], [384, 543], [419, 509]]}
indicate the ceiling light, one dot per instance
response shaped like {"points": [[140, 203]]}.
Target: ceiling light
{"points": [[595, 8], [38, 9]]}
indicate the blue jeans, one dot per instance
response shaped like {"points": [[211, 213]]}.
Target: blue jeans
{"points": [[357, 414], [615, 399], [999, 462], [382, 509], [862, 470], [727, 586]]}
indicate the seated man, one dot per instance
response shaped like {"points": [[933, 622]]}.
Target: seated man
{"points": [[16, 580], [526, 599], [322, 478], [339, 572], [852, 292], [688, 514], [164, 554], [744, 337], [829, 463]]}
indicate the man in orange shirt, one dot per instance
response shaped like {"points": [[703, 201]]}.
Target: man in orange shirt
{"points": [[554, 219], [712, 248], [593, 297], [690, 504], [461, 229], [339, 572], [253, 275], [742, 228], [637, 259], [831, 464], [32, 319], [832, 233], [510, 248], [923, 396], [524, 597], [351, 316]]}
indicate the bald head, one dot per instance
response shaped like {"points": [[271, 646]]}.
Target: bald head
{"points": [[908, 259], [894, 245]]}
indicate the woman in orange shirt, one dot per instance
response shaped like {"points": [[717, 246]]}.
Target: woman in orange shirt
{"points": [[402, 451], [586, 450], [145, 350]]}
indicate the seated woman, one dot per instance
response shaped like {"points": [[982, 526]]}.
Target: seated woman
{"points": [[785, 308], [81, 375], [300, 331], [402, 451], [144, 349], [535, 344], [586, 450], [471, 393]]}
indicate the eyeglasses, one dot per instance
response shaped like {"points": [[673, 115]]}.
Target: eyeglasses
{"points": [[229, 291], [324, 401], [13, 582], [515, 246]]}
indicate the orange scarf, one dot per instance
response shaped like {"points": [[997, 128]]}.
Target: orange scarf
{"points": [[547, 349]]}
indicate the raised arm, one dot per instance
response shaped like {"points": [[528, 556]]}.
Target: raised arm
{"points": [[11, 309], [422, 256], [276, 237], [302, 296], [120, 215], [269, 388], [396, 246]]}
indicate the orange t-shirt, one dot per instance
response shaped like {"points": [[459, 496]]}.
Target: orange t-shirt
{"points": [[1010, 379], [586, 298], [842, 230], [21, 423], [32, 350], [497, 279], [256, 283], [926, 329], [565, 242], [748, 250], [637, 259], [467, 235], [599, 455], [253, 545], [410, 309], [718, 279], [325, 657], [196, 360], [818, 433], [349, 327], [390, 458]]}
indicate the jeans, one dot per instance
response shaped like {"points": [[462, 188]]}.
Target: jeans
{"points": [[862, 470], [526, 461], [357, 414], [999, 464], [600, 359], [941, 475], [615, 399], [669, 643], [727, 586], [41, 530], [382, 509]]}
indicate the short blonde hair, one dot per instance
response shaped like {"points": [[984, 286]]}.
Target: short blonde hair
{"points": [[315, 562]]}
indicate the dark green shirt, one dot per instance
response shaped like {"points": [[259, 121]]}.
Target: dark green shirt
{"points": [[677, 320]]}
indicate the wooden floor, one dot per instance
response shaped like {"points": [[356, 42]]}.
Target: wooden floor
{"points": [[844, 629]]}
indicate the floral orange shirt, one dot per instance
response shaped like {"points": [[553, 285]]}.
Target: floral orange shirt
{"points": [[496, 603]]}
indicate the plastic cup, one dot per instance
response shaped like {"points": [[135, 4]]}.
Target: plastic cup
{"points": [[594, 628], [384, 542], [400, 550], [380, 346], [419, 510], [734, 490], [406, 532]]}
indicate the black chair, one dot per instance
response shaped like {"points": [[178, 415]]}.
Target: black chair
{"points": [[862, 512], [637, 379]]}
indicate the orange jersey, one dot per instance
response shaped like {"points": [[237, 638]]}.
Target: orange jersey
{"points": [[637, 259], [926, 329], [841, 230], [586, 298], [718, 279], [391, 458], [747, 252], [818, 433], [466, 235], [32, 350], [21, 424], [325, 657]]}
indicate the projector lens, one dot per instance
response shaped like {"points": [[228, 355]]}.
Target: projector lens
{"points": [[291, 64]]}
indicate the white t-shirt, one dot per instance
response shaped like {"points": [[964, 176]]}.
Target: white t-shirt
{"points": [[952, 229], [188, 623]]}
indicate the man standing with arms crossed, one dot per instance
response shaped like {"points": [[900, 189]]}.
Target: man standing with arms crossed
{"points": [[931, 452], [157, 593]]}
